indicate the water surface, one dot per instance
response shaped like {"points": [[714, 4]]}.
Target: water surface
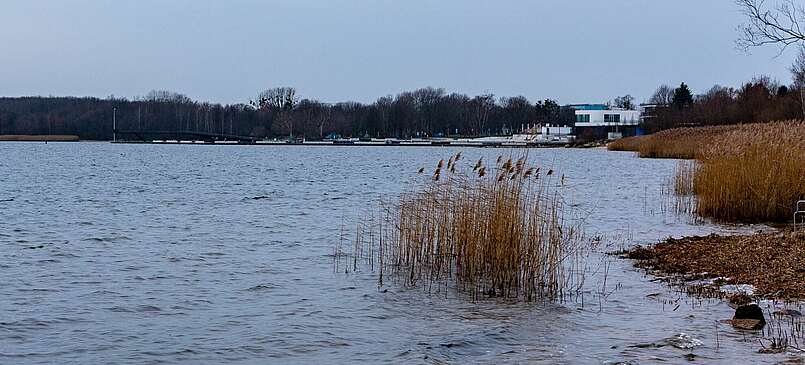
{"points": [[135, 254]]}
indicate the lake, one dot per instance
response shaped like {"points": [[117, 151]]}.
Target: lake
{"points": [[133, 254]]}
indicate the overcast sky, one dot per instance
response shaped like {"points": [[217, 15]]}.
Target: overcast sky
{"points": [[226, 51]]}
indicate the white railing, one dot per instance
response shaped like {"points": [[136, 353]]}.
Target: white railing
{"points": [[800, 211]]}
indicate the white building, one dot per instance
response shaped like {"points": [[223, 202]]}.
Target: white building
{"points": [[594, 115], [598, 121]]}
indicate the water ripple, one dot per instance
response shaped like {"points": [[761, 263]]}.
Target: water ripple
{"points": [[187, 254]]}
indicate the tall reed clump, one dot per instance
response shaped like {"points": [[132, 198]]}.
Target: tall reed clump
{"points": [[487, 231], [753, 173], [742, 173]]}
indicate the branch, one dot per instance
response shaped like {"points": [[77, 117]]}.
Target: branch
{"points": [[779, 26]]}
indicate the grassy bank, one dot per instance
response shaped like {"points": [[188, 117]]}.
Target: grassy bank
{"points": [[37, 138], [743, 173], [774, 263]]}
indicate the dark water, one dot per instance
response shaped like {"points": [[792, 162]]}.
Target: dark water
{"points": [[222, 254]]}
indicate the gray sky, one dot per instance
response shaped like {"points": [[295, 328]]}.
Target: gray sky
{"points": [[226, 51]]}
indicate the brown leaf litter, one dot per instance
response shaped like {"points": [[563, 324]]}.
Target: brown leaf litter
{"points": [[774, 263]]}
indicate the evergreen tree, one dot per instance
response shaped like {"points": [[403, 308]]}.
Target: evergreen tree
{"points": [[682, 97]]}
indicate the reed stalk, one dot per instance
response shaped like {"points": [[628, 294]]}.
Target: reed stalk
{"points": [[488, 231]]}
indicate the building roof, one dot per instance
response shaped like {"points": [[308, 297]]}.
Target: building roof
{"points": [[589, 106]]}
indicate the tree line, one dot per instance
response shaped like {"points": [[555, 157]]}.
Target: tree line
{"points": [[280, 112], [761, 99]]}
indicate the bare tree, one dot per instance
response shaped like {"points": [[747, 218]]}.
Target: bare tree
{"points": [[322, 118], [283, 98], [425, 101], [625, 102], [384, 106], [167, 96], [481, 107], [664, 95], [517, 111], [280, 101], [798, 74], [778, 24]]}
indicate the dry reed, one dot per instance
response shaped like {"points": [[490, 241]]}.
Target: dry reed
{"points": [[683, 178], [753, 173], [627, 144], [684, 143], [488, 231], [743, 173]]}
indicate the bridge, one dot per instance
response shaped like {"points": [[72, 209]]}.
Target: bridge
{"points": [[143, 135]]}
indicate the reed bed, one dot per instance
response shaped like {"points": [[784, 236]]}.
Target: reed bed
{"points": [[755, 173], [742, 173], [627, 144], [682, 143], [495, 230]]}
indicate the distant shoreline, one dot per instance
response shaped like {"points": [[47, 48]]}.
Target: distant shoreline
{"points": [[460, 144], [38, 138]]}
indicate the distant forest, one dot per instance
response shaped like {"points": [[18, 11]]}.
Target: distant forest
{"points": [[279, 112], [425, 112]]}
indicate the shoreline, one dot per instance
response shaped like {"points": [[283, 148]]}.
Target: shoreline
{"points": [[773, 264], [39, 138], [457, 144]]}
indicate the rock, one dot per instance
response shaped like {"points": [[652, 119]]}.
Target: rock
{"points": [[751, 311], [747, 324], [748, 317]]}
